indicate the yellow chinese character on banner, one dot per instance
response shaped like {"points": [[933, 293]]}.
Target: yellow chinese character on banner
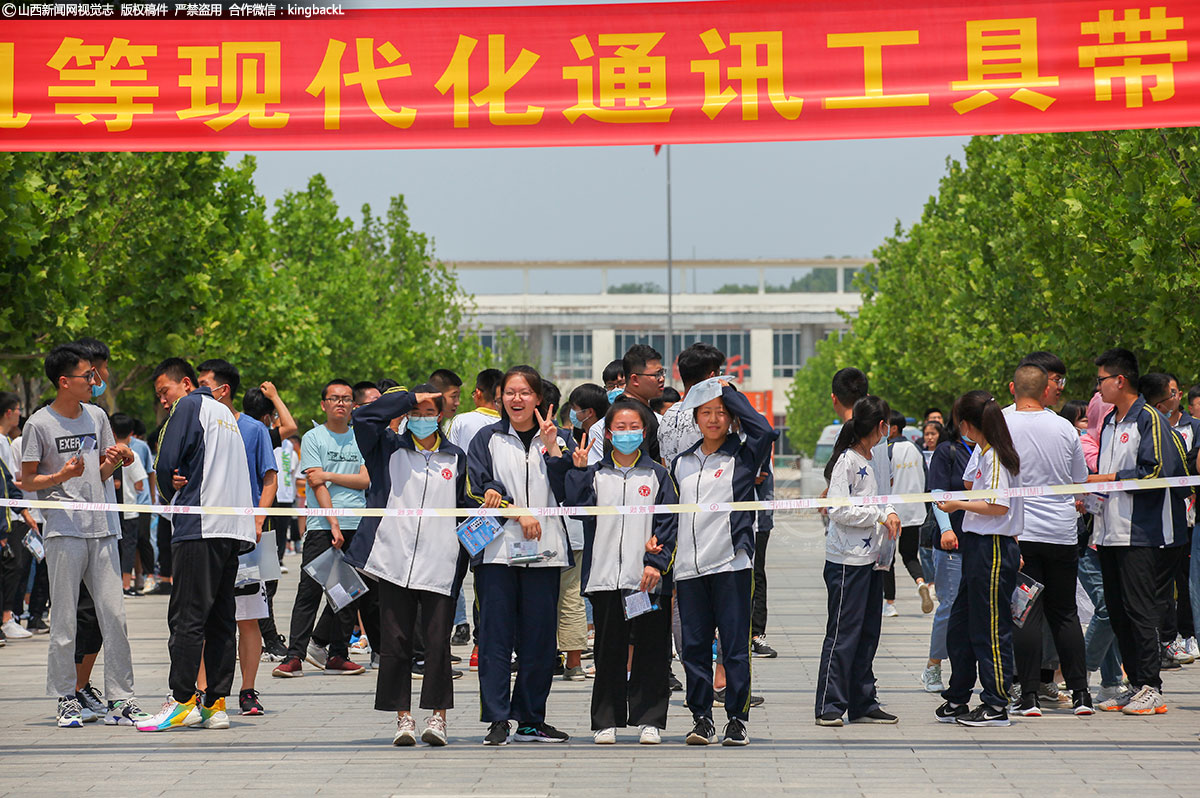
{"points": [[329, 78], [500, 79], [238, 81], [631, 76], [99, 66], [8, 117], [1130, 52], [1003, 54], [872, 45], [749, 73]]}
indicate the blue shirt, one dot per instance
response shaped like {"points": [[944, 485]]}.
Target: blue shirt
{"points": [[142, 450], [337, 453], [260, 457]]}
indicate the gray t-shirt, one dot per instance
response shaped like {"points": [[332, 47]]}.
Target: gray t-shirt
{"points": [[50, 440]]}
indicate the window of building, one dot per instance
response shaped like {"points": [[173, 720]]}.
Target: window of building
{"points": [[572, 355], [789, 355], [734, 343]]}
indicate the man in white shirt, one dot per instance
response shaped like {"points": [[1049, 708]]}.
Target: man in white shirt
{"points": [[1051, 454]]}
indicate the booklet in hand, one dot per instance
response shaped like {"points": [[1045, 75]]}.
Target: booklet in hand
{"points": [[1023, 596], [478, 531], [637, 602], [341, 582]]}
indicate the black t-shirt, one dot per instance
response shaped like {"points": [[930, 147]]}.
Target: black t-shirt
{"points": [[527, 436]]}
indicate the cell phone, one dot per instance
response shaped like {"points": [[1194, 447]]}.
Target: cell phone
{"points": [[86, 444]]}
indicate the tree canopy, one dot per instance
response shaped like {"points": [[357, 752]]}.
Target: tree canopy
{"points": [[1069, 242], [161, 254]]}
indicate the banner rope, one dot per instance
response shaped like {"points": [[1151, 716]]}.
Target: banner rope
{"points": [[812, 503]]}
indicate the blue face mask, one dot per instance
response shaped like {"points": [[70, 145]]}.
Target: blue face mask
{"points": [[614, 393], [98, 390], [627, 442], [968, 441], [422, 426], [575, 422]]}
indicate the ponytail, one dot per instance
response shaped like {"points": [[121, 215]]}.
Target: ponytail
{"points": [[981, 410], [867, 415]]}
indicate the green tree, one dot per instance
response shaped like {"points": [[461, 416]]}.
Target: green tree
{"points": [[1071, 242]]}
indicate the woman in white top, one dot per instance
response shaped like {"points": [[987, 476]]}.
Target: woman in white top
{"points": [[979, 635], [854, 547]]}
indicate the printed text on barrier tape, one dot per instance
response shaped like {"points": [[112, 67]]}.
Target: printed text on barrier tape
{"points": [[715, 507]]}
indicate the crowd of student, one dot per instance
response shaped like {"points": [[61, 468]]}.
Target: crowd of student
{"points": [[626, 589]]}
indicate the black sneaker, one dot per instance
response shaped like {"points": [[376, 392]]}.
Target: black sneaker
{"points": [[703, 733], [832, 719], [759, 648], [275, 650], [735, 733], [539, 733], [461, 636], [1029, 706], [949, 713], [455, 673], [131, 591], [560, 664], [719, 697], [1081, 703], [418, 670], [876, 715], [249, 704], [985, 715], [1166, 661], [497, 733], [455, 659], [38, 626], [676, 685]]}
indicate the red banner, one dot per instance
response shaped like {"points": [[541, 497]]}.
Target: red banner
{"points": [[584, 75]]}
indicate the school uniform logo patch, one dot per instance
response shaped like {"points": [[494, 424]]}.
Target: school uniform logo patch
{"points": [[644, 490], [447, 473], [979, 475], [1124, 437], [718, 473]]}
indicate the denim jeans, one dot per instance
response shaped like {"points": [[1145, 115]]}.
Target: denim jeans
{"points": [[1100, 642], [928, 569], [460, 609], [946, 575]]}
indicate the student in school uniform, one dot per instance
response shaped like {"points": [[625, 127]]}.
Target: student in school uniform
{"points": [[518, 596], [979, 635], [853, 543], [414, 559], [624, 554], [461, 430], [715, 556]]}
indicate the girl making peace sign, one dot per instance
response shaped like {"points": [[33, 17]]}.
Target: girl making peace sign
{"points": [[516, 581]]}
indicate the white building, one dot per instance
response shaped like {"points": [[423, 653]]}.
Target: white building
{"points": [[578, 316]]}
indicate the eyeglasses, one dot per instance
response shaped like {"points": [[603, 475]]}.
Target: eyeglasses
{"points": [[658, 375], [90, 377], [518, 395], [339, 400], [1061, 382], [1100, 380]]}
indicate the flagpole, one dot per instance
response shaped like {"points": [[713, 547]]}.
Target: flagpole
{"points": [[668, 366]]}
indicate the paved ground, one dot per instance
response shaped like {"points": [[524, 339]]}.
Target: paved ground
{"points": [[322, 736]]}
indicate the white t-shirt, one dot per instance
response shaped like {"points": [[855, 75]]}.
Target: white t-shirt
{"points": [[908, 476], [990, 474], [1051, 454], [130, 475], [465, 426]]}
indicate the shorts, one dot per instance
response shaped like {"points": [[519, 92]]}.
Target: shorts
{"points": [[251, 602]]}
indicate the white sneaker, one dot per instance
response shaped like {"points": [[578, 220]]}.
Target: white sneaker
{"points": [[362, 647], [283, 569], [1117, 702], [13, 630], [1178, 651], [925, 591], [316, 655], [406, 731], [1146, 701], [70, 713], [435, 731], [605, 736], [649, 735], [889, 610], [932, 591], [1193, 647], [1109, 693], [931, 679]]}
